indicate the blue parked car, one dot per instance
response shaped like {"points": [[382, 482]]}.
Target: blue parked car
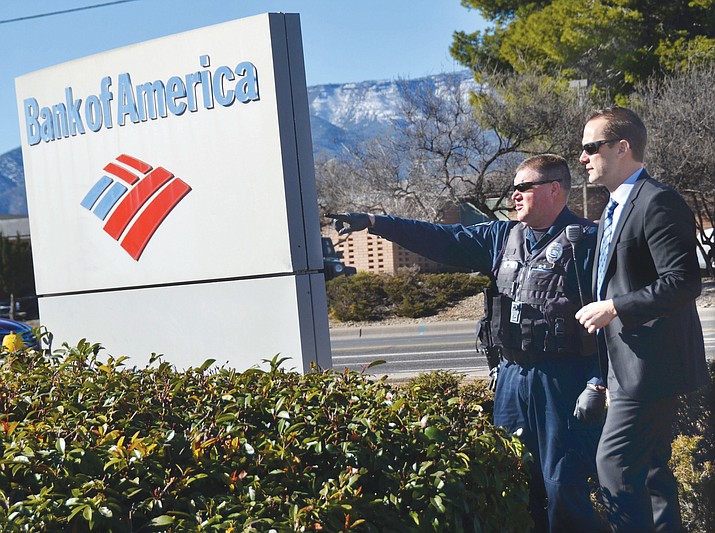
{"points": [[8, 326]]}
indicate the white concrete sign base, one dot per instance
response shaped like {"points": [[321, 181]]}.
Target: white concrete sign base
{"points": [[168, 320]]}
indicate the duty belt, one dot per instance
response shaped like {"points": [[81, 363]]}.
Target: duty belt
{"points": [[527, 359]]}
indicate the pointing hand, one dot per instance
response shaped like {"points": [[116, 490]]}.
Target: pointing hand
{"points": [[348, 222]]}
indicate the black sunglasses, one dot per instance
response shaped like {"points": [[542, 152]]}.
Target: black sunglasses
{"points": [[526, 185], [592, 148]]}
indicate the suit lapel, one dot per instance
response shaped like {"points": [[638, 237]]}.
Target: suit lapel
{"points": [[622, 219]]}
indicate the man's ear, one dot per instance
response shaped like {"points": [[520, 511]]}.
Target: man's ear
{"points": [[556, 188]]}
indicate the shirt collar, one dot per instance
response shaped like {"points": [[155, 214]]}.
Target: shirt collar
{"points": [[623, 191], [561, 222]]}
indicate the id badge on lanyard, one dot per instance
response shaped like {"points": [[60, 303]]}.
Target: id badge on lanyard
{"points": [[515, 316]]}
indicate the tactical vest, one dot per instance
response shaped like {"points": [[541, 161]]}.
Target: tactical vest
{"points": [[533, 306]]}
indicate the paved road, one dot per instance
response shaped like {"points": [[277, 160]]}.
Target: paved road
{"points": [[707, 319], [410, 350]]}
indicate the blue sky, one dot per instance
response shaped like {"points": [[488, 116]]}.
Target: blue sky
{"points": [[343, 41]]}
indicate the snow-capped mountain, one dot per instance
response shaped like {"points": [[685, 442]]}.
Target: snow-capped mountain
{"points": [[340, 116], [12, 184], [343, 114]]}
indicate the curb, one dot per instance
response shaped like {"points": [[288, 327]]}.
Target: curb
{"points": [[398, 330]]}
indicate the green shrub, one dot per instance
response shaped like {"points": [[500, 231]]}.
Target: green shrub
{"points": [[441, 383], [696, 483], [436, 382], [477, 392], [366, 296], [409, 296], [693, 460], [358, 297], [455, 286], [87, 444]]}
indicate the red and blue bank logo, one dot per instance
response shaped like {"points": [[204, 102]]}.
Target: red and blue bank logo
{"points": [[133, 199]]}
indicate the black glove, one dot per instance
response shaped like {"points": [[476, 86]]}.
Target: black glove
{"points": [[591, 406], [493, 376], [348, 222]]}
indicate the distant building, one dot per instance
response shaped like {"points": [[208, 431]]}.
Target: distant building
{"points": [[596, 200], [14, 225]]}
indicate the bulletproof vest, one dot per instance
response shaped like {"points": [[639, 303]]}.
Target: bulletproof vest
{"points": [[533, 306]]}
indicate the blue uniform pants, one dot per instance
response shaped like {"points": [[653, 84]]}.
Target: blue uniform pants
{"points": [[537, 404]]}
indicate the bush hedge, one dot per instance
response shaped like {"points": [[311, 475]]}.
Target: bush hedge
{"points": [[367, 296], [693, 460], [358, 297], [90, 445], [87, 444]]}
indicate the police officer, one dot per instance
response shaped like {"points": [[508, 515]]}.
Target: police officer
{"points": [[548, 391]]}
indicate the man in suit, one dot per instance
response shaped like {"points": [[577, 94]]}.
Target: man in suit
{"points": [[646, 280]]}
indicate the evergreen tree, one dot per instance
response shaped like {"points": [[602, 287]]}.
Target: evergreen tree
{"points": [[614, 44]]}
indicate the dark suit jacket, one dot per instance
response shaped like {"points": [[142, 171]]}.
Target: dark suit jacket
{"points": [[655, 344]]}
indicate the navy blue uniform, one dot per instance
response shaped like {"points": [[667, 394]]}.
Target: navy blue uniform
{"points": [[537, 401]]}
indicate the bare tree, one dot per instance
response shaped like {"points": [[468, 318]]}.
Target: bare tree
{"points": [[420, 168], [456, 143], [445, 152], [679, 113], [367, 179]]}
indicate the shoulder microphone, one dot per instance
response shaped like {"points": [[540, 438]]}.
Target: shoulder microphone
{"points": [[574, 233]]}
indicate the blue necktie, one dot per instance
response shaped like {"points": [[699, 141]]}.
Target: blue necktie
{"points": [[605, 243]]}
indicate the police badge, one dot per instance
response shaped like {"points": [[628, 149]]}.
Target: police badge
{"points": [[554, 252]]}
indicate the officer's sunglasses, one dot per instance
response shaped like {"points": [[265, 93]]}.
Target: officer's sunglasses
{"points": [[592, 148], [527, 185]]}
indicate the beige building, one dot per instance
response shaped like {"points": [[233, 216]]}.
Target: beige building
{"points": [[12, 226], [371, 253]]}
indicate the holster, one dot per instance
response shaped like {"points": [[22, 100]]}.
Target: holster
{"points": [[484, 343]]}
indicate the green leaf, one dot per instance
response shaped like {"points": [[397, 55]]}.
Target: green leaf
{"points": [[76, 511], [163, 520], [437, 502], [206, 364], [434, 434]]}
